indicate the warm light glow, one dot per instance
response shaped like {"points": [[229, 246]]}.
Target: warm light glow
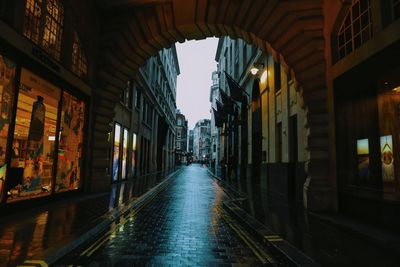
{"points": [[264, 76], [396, 89], [254, 70]]}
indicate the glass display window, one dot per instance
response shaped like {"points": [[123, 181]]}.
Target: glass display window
{"points": [[7, 91], [116, 152], [31, 170], [133, 155], [71, 133], [124, 168]]}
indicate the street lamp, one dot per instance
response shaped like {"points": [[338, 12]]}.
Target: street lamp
{"points": [[256, 68]]}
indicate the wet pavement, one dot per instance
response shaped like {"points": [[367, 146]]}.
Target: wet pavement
{"points": [[329, 239], [38, 232], [183, 226]]}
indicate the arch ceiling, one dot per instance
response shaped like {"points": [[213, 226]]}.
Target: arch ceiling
{"points": [[291, 30]]}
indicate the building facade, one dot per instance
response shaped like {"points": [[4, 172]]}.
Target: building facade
{"points": [[264, 134], [181, 143], [143, 139], [202, 141], [215, 132]]}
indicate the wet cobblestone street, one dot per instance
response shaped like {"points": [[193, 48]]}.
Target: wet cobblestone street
{"points": [[183, 225]]}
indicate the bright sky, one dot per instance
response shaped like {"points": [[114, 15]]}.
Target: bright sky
{"points": [[196, 62]]}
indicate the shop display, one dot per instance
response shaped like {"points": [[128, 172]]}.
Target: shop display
{"points": [[133, 155], [124, 155], [70, 144], [387, 158], [116, 152], [7, 89], [363, 159], [31, 170]]}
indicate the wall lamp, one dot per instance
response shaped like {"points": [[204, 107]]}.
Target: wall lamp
{"points": [[256, 68]]}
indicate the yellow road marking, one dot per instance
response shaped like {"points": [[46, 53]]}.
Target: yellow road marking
{"points": [[109, 235], [259, 252], [35, 262]]}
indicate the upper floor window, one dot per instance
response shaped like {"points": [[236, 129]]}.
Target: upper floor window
{"points": [[43, 24], [356, 28], [79, 63]]}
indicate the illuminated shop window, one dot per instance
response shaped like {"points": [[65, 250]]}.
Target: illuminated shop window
{"points": [[79, 62], [124, 162], [7, 89], [116, 152], [43, 24], [33, 147], [133, 155], [70, 145], [356, 28]]}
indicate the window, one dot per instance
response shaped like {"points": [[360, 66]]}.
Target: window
{"points": [[138, 98], [356, 28], [31, 171], [116, 154], [134, 155], [71, 142], [124, 155], [43, 24], [277, 76], [79, 63], [7, 91]]}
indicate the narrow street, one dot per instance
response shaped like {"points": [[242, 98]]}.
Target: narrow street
{"points": [[183, 225]]}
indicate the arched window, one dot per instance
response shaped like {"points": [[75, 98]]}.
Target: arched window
{"points": [[43, 24], [79, 63], [356, 28]]}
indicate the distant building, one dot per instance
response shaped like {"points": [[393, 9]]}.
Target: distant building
{"points": [[181, 138], [202, 140], [215, 148]]}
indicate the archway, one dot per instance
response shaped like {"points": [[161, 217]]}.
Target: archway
{"points": [[292, 31], [256, 131]]}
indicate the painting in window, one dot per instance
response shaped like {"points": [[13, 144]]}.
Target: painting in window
{"points": [[116, 157], [7, 89], [70, 145], [363, 160], [31, 170]]}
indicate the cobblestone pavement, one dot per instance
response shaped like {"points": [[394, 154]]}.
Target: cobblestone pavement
{"points": [[183, 225]]}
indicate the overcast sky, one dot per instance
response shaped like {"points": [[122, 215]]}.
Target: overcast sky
{"points": [[196, 62]]}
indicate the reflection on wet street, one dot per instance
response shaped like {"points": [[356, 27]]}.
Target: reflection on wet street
{"points": [[181, 226], [38, 232], [325, 242]]}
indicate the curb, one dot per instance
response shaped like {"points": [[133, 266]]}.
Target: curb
{"points": [[103, 222], [282, 249]]}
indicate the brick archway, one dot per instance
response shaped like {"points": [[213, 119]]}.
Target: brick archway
{"points": [[292, 31]]}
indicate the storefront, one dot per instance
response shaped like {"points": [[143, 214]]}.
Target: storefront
{"points": [[42, 132], [368, 138]]}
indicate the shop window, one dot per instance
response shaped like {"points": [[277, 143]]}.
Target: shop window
{"points": [[33, 154], [368, 141], [356, 28], [134, 155], [7, 89], [79, 63], [70, 156], [43, 24], [116, 152], [124, 155]]}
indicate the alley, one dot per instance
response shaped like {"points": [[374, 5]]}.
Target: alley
{"points": [[183, 225]]}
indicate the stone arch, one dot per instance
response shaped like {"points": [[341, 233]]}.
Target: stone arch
{"points": [[292, 31]]}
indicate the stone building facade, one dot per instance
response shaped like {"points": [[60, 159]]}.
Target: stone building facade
{"points": [[202, 141], [181, 140]]}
